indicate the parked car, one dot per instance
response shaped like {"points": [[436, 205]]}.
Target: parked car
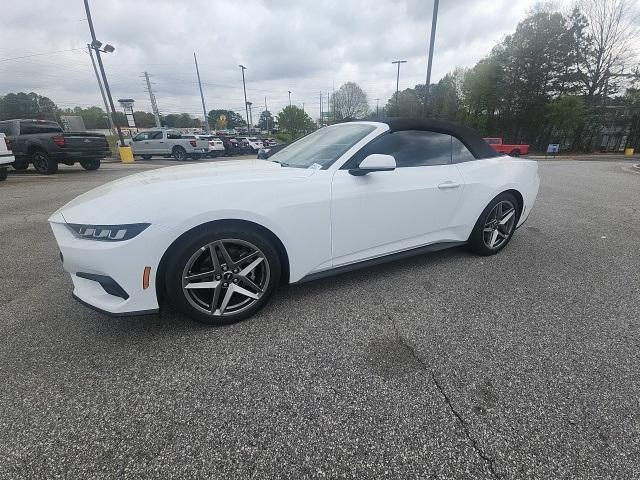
{"points": [[232, 146], [266, 151], [45, 145], [6, 157], [216, 240], [513, 150], [216, 147], [252, 144], [168, 143]]}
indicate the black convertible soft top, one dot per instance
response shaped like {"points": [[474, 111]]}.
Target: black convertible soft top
{"points": [[471, 139]]}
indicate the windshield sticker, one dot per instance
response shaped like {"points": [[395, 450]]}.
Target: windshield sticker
{"points": [[315, 166]]}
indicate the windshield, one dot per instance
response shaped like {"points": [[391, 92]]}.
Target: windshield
{"points": [[322, 147]]}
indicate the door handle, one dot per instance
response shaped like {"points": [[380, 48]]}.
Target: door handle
{"points": [[448, 184]]}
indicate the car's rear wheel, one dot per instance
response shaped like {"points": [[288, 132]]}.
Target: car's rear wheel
{"points": [[222, 276], [43, 163], [4, 173], [496, 225], [90, 163], [179, 153], [20, 165], [515, 153]]}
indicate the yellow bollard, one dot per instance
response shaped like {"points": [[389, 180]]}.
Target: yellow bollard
{"points": [[126, 154], [628, 152]]}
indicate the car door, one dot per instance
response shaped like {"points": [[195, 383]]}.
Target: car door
{"points": [[156, 142], [140, 144], [390, 211]]}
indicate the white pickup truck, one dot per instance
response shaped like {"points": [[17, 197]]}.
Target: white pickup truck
{"points": [[6, 157], [167, 143]]}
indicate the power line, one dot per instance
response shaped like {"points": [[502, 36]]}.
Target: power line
{"points": [[39, 54]]}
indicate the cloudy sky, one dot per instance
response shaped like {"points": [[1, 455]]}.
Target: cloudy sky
{"points": [[305, 46]]}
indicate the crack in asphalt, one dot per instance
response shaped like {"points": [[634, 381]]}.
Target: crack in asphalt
{"points": [[474, 444]]}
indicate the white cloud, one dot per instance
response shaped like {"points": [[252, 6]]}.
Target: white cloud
{"points": [[303, 46]]}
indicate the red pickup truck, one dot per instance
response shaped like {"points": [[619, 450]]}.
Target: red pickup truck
{"points": [[513, 150]]}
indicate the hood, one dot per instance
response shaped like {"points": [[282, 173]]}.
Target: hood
{"points": [[151, 196]]}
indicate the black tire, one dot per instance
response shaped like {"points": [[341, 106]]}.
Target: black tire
{"points": [[43, 163], [196, 156], [146, 157], [179, 153], [90, 164], [20, 164], [191, 244], [515, 153], [4, 173], [476, 242]]}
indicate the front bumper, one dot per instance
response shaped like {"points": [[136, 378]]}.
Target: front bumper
{"points": [[95, 265]]}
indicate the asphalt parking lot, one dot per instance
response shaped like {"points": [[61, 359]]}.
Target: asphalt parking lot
{"points": [[521, 365]]}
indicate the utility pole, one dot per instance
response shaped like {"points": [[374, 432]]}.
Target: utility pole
{"points": [[250, 107], [104, 99], [434, 21], [377, 108], [267, 116], [152, 98], [289, 97], [204, 109], [244, 86], [328, 108], [96, 46], [398, 83], [321, 109]]}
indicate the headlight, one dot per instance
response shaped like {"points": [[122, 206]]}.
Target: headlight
{"points": [[107, 233]]}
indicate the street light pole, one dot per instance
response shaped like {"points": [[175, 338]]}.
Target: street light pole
{"points": [[434, 21], [95, 44], [398, 82], [246, 106], [204, 109], [289, 97], [104, 98]]}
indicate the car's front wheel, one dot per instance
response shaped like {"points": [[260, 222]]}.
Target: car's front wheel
{"points": [[496, 225], [4, 172], [43, 163], [222, 275]]}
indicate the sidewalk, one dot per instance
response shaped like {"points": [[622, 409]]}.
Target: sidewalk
{"points": [[587, 157]]}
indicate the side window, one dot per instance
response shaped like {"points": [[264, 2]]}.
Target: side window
{"points": [[410, 148], [173, 135], [460, 153], [155, 135], [142, 136]]}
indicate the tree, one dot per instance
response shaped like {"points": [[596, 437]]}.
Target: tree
{"points": [[565, 115], [27, 105], [404, 104], [350, 102], [228, 118], [603, 42], [295, 121], [266, 120], [144, 119]]}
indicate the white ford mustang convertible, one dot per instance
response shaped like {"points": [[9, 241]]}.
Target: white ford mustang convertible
{"points": [[216, 239]]}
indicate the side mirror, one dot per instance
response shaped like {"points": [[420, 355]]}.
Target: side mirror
{"points": [[376, 162]]}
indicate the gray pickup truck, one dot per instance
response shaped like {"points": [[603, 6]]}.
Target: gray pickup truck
{"points": [[167, 143], [45, 145]]}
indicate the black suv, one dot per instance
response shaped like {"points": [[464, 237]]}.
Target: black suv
{"points": [[44, 144]]}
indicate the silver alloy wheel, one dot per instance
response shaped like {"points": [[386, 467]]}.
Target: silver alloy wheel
{"points": [[499, 224], [40, 161], [225, 277]]}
